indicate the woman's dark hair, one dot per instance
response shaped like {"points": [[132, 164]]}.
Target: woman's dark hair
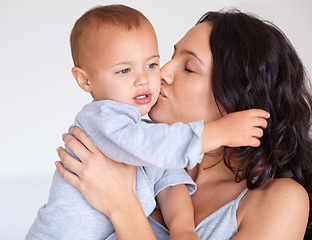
{"points": [[256, 66]]}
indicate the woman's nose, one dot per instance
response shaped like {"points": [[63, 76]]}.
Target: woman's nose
{"points": [[166, 73]]}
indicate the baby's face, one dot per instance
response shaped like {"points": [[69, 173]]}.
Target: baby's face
{"points": [[124, 66]]}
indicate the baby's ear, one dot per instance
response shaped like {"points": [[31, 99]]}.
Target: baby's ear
{"points": [[82, 78]]}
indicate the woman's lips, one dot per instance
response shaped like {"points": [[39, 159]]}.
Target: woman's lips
{"points": [[143, 98], [162, 93]]}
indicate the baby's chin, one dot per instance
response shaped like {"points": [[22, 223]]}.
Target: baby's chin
{"points": [[145, 110], [160, 114], [152, 114]]}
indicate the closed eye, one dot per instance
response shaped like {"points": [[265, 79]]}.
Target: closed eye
{"points": [[188, 70]]}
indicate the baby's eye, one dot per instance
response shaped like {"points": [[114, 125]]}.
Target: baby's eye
{"points": [[152, 65], [124, 71]]}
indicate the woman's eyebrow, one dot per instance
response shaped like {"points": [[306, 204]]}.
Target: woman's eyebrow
{"points": [[192, 54]]}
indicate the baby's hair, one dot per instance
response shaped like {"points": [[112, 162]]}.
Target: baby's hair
{"points": [[109, 15]]}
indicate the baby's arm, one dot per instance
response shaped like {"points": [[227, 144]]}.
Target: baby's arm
{"points": [[123, 137], [236, 129], [177, 210], [119, 133]]}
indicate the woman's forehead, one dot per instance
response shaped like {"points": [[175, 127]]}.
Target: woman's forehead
{"points": [[196, 41]]}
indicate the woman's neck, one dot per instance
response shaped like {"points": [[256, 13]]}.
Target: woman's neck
{"points": [[213, 167]]}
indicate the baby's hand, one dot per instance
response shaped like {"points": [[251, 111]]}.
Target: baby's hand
{"points": [[243, 128]]}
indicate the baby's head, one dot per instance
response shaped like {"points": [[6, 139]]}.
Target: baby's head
{"points": [[115, 53]]}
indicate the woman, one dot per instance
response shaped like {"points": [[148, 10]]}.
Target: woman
{"points": [[229, 61]]}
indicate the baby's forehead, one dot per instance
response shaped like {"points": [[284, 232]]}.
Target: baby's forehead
{"points": [[105, 39], [105, 31], [97, 28], [122, 23]]}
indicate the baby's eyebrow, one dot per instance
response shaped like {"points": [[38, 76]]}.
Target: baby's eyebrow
{"points": [[154, 56], [133, 62]]}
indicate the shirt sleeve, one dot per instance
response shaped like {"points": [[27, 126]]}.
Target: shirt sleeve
{"points": [[117, 130], [173, 178]]}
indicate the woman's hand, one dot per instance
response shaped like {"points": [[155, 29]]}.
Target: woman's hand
{"points": [[104, 183], [108, 186]]}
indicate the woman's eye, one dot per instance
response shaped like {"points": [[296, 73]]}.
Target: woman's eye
{"points": [[188, 70], [124, 71], [152, 65]]}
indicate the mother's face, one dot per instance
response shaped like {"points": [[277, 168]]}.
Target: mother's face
{"points": [[186, 93]]}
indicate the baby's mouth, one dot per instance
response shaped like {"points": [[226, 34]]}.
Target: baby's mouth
{"points": [[143, 98]]}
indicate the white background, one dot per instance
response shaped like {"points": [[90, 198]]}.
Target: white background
{"points": [[39, 97]]}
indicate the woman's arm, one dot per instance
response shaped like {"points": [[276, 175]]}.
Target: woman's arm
{"points": [[107, 185], [278, 212]]}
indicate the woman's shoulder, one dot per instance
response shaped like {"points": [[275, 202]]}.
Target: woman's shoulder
{"points": [[282, 188], [284, 191], [266, 210], [278, 205]]}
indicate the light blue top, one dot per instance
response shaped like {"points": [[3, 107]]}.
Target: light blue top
{"points": [[117, 130], [220, 225]]}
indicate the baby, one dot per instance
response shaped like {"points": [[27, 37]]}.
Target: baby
{"points": [[115, 53]]}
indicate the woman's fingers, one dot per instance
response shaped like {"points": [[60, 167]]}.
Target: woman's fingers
{"points": [[69, 177], [71, 163], [77, 147], [84, 139]]}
